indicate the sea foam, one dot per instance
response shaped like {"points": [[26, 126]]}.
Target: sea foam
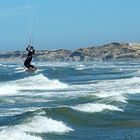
{"points": [[7, 89], [117, 90], [40, 124], [39, 82], [14, 134], [37, 124], [95, 107], [36, 82]]}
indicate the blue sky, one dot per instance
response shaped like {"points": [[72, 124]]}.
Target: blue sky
{"points": [[68, 24]]}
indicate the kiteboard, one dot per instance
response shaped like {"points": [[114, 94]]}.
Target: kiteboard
{"points": [[31, 69]]}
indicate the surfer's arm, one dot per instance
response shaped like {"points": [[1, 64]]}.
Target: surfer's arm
{"points": [[33, 51], [28, 48]]}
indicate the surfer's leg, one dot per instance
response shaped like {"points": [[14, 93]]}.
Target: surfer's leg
{"points": [[31, 66], [26, 65], [27, 62]]}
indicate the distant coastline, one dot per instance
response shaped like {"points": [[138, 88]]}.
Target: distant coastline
{"points": [[111, 51]]}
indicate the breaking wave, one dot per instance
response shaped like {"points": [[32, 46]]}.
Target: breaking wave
{"points": [[95, 107], [37, 82], [40, 124], [37, 124], [14, 134]]}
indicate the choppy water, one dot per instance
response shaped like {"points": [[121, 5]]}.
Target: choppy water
{"points": [[70, 101]]}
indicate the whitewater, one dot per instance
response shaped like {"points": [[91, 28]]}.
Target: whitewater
{"points": [[70, 101]]}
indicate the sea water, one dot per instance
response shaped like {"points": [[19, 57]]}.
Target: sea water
{"points": [[70, 101]]}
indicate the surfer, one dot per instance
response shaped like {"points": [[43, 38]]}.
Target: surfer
{"points": [[31, 52]]}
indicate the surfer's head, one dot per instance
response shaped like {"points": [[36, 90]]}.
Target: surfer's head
{"points": [[32, 48]]}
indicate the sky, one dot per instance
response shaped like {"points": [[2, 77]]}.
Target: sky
{"points": [[68, 24]]}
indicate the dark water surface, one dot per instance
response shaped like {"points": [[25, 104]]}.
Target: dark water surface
{"points": [[70, 101]]}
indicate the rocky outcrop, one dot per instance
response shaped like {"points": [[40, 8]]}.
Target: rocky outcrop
{"points": [[58, 55], [112, 51]]}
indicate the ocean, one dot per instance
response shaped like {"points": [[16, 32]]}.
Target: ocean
{"points": [[70, 101]]}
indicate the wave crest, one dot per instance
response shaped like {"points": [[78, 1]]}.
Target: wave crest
{"points": [[40, 124], [91, 107], [37, 82]]}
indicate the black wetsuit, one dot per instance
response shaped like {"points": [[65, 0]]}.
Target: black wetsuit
{"points": [[31, 52]]}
